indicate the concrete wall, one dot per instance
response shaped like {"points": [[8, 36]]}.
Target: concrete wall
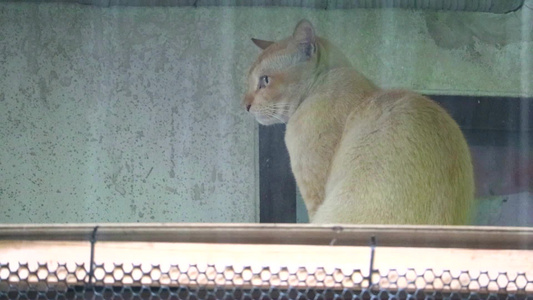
{"points": [[122, 115], [129, 114]]}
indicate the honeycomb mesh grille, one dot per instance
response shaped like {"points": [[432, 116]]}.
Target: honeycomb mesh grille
{"points": [[255, 262], [145, 281]]}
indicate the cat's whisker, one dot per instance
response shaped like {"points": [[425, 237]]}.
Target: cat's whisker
{"points": [[273, 113], [274, 116], [273, 109], [281, 106], [278, 118]]}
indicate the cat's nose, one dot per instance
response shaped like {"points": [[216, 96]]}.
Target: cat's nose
{"points": [[247, 101]]}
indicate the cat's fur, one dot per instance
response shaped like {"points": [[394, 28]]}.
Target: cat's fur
{"points": [[360, 154]]}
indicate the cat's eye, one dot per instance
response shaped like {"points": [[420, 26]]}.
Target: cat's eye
{"points": [[263, 81]]}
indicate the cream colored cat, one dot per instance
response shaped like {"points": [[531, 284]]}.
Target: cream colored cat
{"points": [[359, 154]]}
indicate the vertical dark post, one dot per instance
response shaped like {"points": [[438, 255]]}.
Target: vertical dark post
{"points": [[277, 186], [92, 265]]}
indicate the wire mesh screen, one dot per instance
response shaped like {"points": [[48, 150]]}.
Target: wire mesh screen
{"points": [[144, 281], [262, 262]]}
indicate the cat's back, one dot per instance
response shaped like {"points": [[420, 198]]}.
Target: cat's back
{"points": [[403, 113], [402, 157]]}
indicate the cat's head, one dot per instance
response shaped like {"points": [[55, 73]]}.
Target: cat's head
{"points": [[282, 75]]}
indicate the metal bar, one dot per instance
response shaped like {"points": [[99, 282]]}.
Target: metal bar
{"points": [[474, 237], [491, 6]]}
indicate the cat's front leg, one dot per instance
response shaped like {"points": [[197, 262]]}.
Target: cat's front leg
{"points": [[310, 176], [312, 199]]}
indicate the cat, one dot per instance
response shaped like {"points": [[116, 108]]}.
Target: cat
{"points": [[360, 154]]}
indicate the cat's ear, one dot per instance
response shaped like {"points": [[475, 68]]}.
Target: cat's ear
{"points": [[304, 35], [261, 43]]}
